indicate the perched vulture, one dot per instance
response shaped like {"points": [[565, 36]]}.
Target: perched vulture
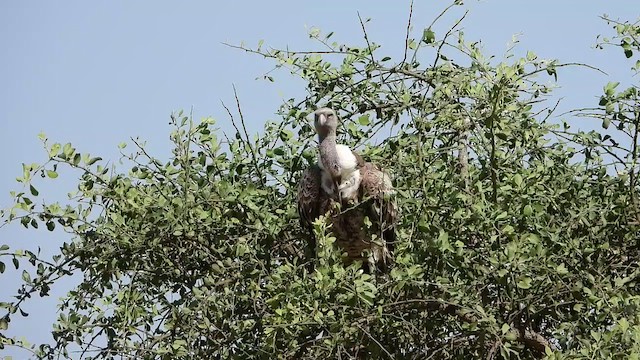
{"points": [[362, 190]]}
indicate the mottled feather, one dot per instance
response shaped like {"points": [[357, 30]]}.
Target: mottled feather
{"points": [[376, 189], [374, 200]]}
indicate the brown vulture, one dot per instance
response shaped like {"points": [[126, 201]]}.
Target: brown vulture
{"points": [[362, 190]]}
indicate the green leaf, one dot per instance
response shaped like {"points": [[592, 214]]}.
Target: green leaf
{"points": [[428, 36], [68, 150], [528, 210], [2, 267], [609, 108], [510, 336], [364, 120], [314, 32], [4, 247], [33, 190], [517, 179], [25, 276], [561, 269], [502, 215], [623, 324], [93, 160], [524, 283], [610, 88], [443, 239], [55, 149], [52, 174], [4, 325], [606, 122], [551, 70]]}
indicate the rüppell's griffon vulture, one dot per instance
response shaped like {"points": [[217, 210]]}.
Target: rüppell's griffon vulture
{"points": [[362, 190]]}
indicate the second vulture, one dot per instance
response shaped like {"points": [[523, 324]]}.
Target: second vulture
{"points": [[363, 192]]}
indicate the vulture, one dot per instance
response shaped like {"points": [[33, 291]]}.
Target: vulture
{"points": [[361, 189]]}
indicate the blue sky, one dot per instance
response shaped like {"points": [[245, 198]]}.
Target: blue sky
{"points": [[96, 73]]}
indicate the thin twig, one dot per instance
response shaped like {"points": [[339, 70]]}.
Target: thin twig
{"points": [[366, 38], [523, 76], [266, 54], [246, 142], [377, 342], [634, 161], [406, 39], [446, 35]]}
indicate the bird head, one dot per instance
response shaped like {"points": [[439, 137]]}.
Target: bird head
{"points": [[325, 121]]}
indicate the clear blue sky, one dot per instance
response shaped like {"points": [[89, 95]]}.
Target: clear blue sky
{"points": [[96, 73]]}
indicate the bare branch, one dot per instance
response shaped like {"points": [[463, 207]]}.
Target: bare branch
{"points": [[406, 39]]}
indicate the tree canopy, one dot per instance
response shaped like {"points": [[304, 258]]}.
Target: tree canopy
{"points": [[518, 236]]}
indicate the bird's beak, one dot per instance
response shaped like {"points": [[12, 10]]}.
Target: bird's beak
{"points": [[322, 120]]}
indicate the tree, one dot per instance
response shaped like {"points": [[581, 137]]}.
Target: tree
{"points": [[516, 239]]}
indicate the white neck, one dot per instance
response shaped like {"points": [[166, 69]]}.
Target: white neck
{"points": [[346, 159]]}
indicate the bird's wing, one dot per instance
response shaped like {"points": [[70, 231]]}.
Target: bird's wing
{"points": [[379, 196], [309, 196], [312, 202]]}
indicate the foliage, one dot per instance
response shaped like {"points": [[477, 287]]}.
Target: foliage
{"points": [[516, 239]]}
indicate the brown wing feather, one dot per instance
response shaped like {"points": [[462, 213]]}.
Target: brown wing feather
{"points": [[312, 202], [308, 196], [377, 192]]}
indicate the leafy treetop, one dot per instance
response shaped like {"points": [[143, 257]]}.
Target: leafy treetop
{"points": [[516, 239]]}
